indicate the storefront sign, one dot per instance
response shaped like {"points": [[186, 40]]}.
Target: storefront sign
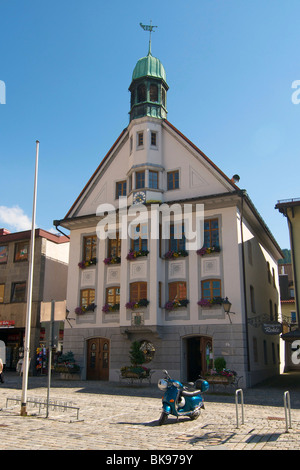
{"points": [[272, 328], [7, 323]]}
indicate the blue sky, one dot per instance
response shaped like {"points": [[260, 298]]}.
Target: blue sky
{"points": [[67, 66]]}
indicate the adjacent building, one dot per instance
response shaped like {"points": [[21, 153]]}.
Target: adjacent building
{"points": [[139, 284], [49, 283], [290, 208]]}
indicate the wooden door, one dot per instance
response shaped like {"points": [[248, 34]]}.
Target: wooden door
{"points": [[98, 359]]}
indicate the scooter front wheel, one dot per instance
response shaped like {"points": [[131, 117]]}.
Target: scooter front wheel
{"points": [[195, 415], [163, 418]]}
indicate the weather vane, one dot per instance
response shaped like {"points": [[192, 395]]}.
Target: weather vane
{"points": [[150, 28]]}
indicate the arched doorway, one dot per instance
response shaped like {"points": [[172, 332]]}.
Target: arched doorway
{"points": [[97, 359], [198, 356]]}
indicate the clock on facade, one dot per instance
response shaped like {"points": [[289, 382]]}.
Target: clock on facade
{"points": [[139, 197]]}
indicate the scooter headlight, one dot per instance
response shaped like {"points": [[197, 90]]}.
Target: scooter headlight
{"points": [[162, 385]]}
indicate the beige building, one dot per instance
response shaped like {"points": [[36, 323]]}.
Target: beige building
{"points": [[49, 283]]}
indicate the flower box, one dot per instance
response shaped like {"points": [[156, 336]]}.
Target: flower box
{"points": [[208, 250], [136, 254], [211, 302], [171, 254], [110, 308], [139, 304], [86, 263], [171, 305], [112, 260], [83, 310]]}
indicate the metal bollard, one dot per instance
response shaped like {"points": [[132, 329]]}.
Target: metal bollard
{"points": [[287, 410], [239, 391]]}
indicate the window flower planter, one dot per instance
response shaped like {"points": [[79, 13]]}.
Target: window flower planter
{"points": [[136, 254], [111, 260], [83, 310], [208, 250], [85, 264], [171, 254], [110, 308], [172, 305], [139, 304], [211, 302]]}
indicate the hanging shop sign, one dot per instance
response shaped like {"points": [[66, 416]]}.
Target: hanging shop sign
{"points": [[272, 328], [7, 323]]}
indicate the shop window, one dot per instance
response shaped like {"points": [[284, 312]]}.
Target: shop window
{"points": [[18, 291], [21, 251]]}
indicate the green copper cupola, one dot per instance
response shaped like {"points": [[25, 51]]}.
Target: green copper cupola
{"points": [[148, 88]]}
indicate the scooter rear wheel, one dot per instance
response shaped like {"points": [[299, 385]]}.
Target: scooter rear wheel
{"points": [[163, 418]]}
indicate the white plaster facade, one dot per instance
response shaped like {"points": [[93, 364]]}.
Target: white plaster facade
{"points": [[247, 249]]}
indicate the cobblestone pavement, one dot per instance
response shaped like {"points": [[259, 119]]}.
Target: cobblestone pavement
{"points": [[115, 416]]}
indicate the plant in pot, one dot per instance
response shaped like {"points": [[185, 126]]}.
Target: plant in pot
{"points": [[137, 358]]}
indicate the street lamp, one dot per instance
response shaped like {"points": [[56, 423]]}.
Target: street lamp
{"points": [[227, 307]]}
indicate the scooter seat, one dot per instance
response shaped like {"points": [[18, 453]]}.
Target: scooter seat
{"points": [[190, 393]]}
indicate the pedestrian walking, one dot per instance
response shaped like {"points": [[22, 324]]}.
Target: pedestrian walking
{"points": [[1, 371]]}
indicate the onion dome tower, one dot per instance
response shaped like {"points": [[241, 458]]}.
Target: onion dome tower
{"points": [[148, 87]]}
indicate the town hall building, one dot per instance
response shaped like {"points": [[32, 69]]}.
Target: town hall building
{"points": [[185, 306]]}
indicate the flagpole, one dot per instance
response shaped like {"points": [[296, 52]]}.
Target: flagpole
{"points": [[29, 295]]}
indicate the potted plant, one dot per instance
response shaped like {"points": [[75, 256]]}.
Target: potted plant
{"points": [[137, 358]]}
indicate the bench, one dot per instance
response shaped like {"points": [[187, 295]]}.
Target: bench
{"points": [[131, 377]]}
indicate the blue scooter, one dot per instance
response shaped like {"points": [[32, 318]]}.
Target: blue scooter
{"points": [[180, 400]]}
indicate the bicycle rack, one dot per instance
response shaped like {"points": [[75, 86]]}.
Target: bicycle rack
{"points": [[239, 391], [287, 411]]}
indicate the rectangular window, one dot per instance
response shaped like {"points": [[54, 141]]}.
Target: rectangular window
{"points": [[3, 253], [87, 297], [140, 179], [159, 294], [293, 317], [138, 291], [211, 233], [153, 179], [113, 295], [139, 237], [140, 139], [114, 247], [18, 291], [211, 288], [89, 247], [173, 179], [2, 286], [120, 189], [21, 251], [131, 144], [177, 291], [177, 237], [153, 139]]}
